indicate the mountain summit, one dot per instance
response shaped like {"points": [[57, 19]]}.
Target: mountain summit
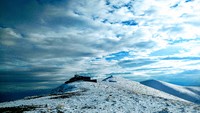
{"points": [[113, 94]]}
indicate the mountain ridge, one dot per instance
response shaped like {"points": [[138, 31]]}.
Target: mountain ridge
{"points": [[188, 93], [111, 95]]}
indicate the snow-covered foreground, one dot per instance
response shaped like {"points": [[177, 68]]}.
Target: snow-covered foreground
{"points": [[188, 93], [111, 95]]}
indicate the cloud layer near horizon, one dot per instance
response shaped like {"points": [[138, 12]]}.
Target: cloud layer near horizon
{"points": [[50, 40]]}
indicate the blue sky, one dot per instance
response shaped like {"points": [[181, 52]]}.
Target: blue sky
{"points": [[45, 42]]}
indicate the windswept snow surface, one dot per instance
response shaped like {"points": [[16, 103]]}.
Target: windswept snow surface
{"points": [[105, 97], [188, 93], [136, 87]]}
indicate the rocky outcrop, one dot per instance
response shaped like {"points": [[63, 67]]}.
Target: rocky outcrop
{"points": [[80, 78]]}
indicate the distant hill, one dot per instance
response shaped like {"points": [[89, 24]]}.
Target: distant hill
{"points": [[188, 93]]}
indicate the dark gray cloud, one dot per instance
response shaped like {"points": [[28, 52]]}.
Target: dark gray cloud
{"points": [[30, 78], [17, 12], [29, 74], [27, 16], [135, 63]]}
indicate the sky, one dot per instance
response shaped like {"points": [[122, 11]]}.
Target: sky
{"points": [[45, 42]]}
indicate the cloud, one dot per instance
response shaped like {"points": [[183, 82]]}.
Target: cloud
{"points": [[8, 36], [187, 77], [167, 51], [146, 44], [15, 80], [11, 14], [130, 23], [144, 38], [32, 74], [135, 63], [181, 58], [117, 56]]}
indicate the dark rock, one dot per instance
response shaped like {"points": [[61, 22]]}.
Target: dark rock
{"points": [[80, 78]]}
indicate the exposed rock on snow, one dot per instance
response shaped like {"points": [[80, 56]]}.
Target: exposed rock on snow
{"points": [[80, 78]]}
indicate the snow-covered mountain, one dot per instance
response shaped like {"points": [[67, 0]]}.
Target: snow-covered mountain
{"points": [[109, 95], [188, 93]]}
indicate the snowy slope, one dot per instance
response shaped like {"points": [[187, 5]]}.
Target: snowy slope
{"points": [[188, 93], [123, 84], [136, 87], [194, 89], [102, 97]]}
